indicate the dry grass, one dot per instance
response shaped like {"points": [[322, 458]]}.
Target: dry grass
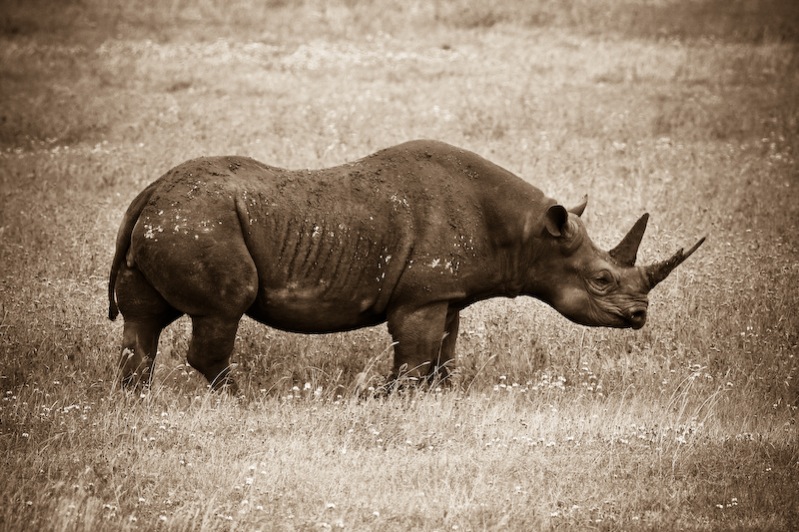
{"points": [[684, 109]]}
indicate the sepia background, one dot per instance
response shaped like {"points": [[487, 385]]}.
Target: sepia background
{"points": [[686, 109]]}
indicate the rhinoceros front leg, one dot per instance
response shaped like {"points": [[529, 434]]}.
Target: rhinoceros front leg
{"points": [[425, 341], [446, 359]]}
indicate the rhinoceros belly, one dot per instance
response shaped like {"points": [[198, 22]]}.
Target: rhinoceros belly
{"points": [[314, 309]]}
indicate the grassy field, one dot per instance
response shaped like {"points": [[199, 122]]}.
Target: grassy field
{"points": [[687, 109]]}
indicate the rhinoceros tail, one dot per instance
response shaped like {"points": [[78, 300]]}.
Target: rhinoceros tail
{"points": [[123, 244]]}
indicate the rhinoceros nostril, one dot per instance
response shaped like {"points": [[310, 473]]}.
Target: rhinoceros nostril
{"points": [[637, 318]]}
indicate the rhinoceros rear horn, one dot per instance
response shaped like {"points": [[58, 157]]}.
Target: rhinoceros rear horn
{"points": [[659, 271], [627, 250], [578, 209]]}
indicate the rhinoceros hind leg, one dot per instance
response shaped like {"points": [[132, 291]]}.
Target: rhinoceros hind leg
{"points": [[146, 314], [211, 344], [139, 345]]}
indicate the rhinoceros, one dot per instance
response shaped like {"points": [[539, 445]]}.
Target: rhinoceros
{"points": [[410, 235]]}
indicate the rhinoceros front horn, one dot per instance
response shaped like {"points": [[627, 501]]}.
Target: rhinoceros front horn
{"points": [[627, 250], [659, 271]]}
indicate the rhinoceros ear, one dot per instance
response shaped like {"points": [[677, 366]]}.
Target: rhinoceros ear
{"points": [[578, 209], [556, 220]]}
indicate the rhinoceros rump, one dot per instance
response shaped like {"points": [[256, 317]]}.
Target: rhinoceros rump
{"points": [[409, 235]]}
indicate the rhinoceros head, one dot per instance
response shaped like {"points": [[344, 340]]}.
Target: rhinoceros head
{"points": [[595, 287]]}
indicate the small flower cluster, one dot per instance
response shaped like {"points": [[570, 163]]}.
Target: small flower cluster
{"points": [[732, 503], [530, 441], [306, 392], [589, 382], [576, 515], [681, 434], [777, 149], [52, 414], [548, 382], [503, 386], [698, 373]]}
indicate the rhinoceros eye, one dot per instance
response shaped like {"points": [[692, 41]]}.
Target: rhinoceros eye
{"points": [[603, 281]]}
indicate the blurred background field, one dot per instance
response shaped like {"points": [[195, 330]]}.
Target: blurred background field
{"points": [[686, 109]]}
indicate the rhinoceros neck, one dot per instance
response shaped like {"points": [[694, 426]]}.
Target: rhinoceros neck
{"points": [[474, 226], [508, 270]]}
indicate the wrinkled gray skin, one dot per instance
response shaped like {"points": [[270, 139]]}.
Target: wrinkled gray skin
{"points": [[410, 235]]}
